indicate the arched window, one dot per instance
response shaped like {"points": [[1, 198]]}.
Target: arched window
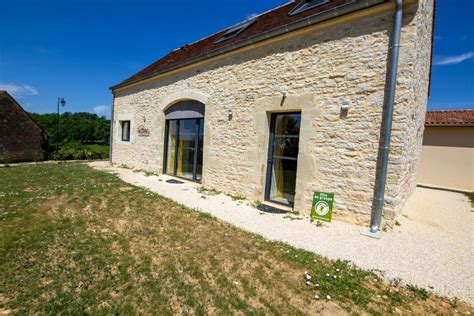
{"points": [[185, 110], [184, 140]]}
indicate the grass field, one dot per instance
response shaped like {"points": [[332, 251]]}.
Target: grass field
{"points": [[75, 240]]}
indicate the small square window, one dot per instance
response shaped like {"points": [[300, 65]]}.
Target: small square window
{"points": [[236, 30], [307, 5], [125, 126]]}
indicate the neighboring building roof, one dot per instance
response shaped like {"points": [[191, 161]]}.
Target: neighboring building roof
{"points": [[269, 24], [6, 97], [450, 118]]}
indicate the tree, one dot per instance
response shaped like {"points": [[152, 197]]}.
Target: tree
{"points": [[83, 127], [77, 129]]}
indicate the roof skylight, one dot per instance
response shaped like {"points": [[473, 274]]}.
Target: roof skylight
{"points": [[306, 5], [236, 30]]}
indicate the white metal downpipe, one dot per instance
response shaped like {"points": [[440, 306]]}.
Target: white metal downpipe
{"points": [[387, 119]]}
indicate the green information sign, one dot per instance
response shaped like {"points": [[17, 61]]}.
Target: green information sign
{"points": [[322, 206]]}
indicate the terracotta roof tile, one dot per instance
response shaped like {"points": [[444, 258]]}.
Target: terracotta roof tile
{"points": [[454, 117]]}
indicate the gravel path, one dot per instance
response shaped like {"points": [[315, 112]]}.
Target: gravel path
{"points": [[432, 248]]}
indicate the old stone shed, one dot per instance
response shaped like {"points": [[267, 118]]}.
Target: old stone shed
{"points": [[21, 138], [285, 104]]}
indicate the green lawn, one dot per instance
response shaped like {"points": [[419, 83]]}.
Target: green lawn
{"points": [[74, 240]]}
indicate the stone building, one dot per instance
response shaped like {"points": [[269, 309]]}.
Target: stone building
{"points": [[284, 104], [21, 138]]}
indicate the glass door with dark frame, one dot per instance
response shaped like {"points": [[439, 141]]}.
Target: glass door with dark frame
{"points": [[283, 158], [184, 142]]}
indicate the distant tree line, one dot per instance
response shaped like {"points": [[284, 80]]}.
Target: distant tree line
{"points": [[82, 135]]}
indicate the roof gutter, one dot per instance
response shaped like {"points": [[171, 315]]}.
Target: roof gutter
{"points": [[350, 7], [387, 119]]}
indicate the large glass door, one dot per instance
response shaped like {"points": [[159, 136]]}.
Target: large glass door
{"points": [[283, 158], [184, 148]]}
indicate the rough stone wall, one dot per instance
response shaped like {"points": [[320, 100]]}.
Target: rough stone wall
{"points": [[415, 63], [20, 138], [318, 70]]}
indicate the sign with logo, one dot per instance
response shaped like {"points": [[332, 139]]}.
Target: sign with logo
{"points": [[143, 131], [322, 206]]}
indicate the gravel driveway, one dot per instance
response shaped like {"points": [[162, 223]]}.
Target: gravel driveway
{"points": [[432, 248]]}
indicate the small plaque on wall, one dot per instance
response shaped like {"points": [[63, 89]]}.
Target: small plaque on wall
{"points": [[143, 131]]}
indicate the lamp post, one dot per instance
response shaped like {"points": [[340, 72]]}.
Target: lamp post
{"points": [[63, 103]]}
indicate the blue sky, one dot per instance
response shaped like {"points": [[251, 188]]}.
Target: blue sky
{"points": [[77, 49]]}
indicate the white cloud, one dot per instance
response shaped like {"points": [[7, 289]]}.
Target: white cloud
{"points": [[453, 60], [102, 110], [19, 90]]}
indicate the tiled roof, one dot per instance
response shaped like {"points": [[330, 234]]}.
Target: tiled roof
{"points": [[266, 22], [6, 97], [450, 118]]}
